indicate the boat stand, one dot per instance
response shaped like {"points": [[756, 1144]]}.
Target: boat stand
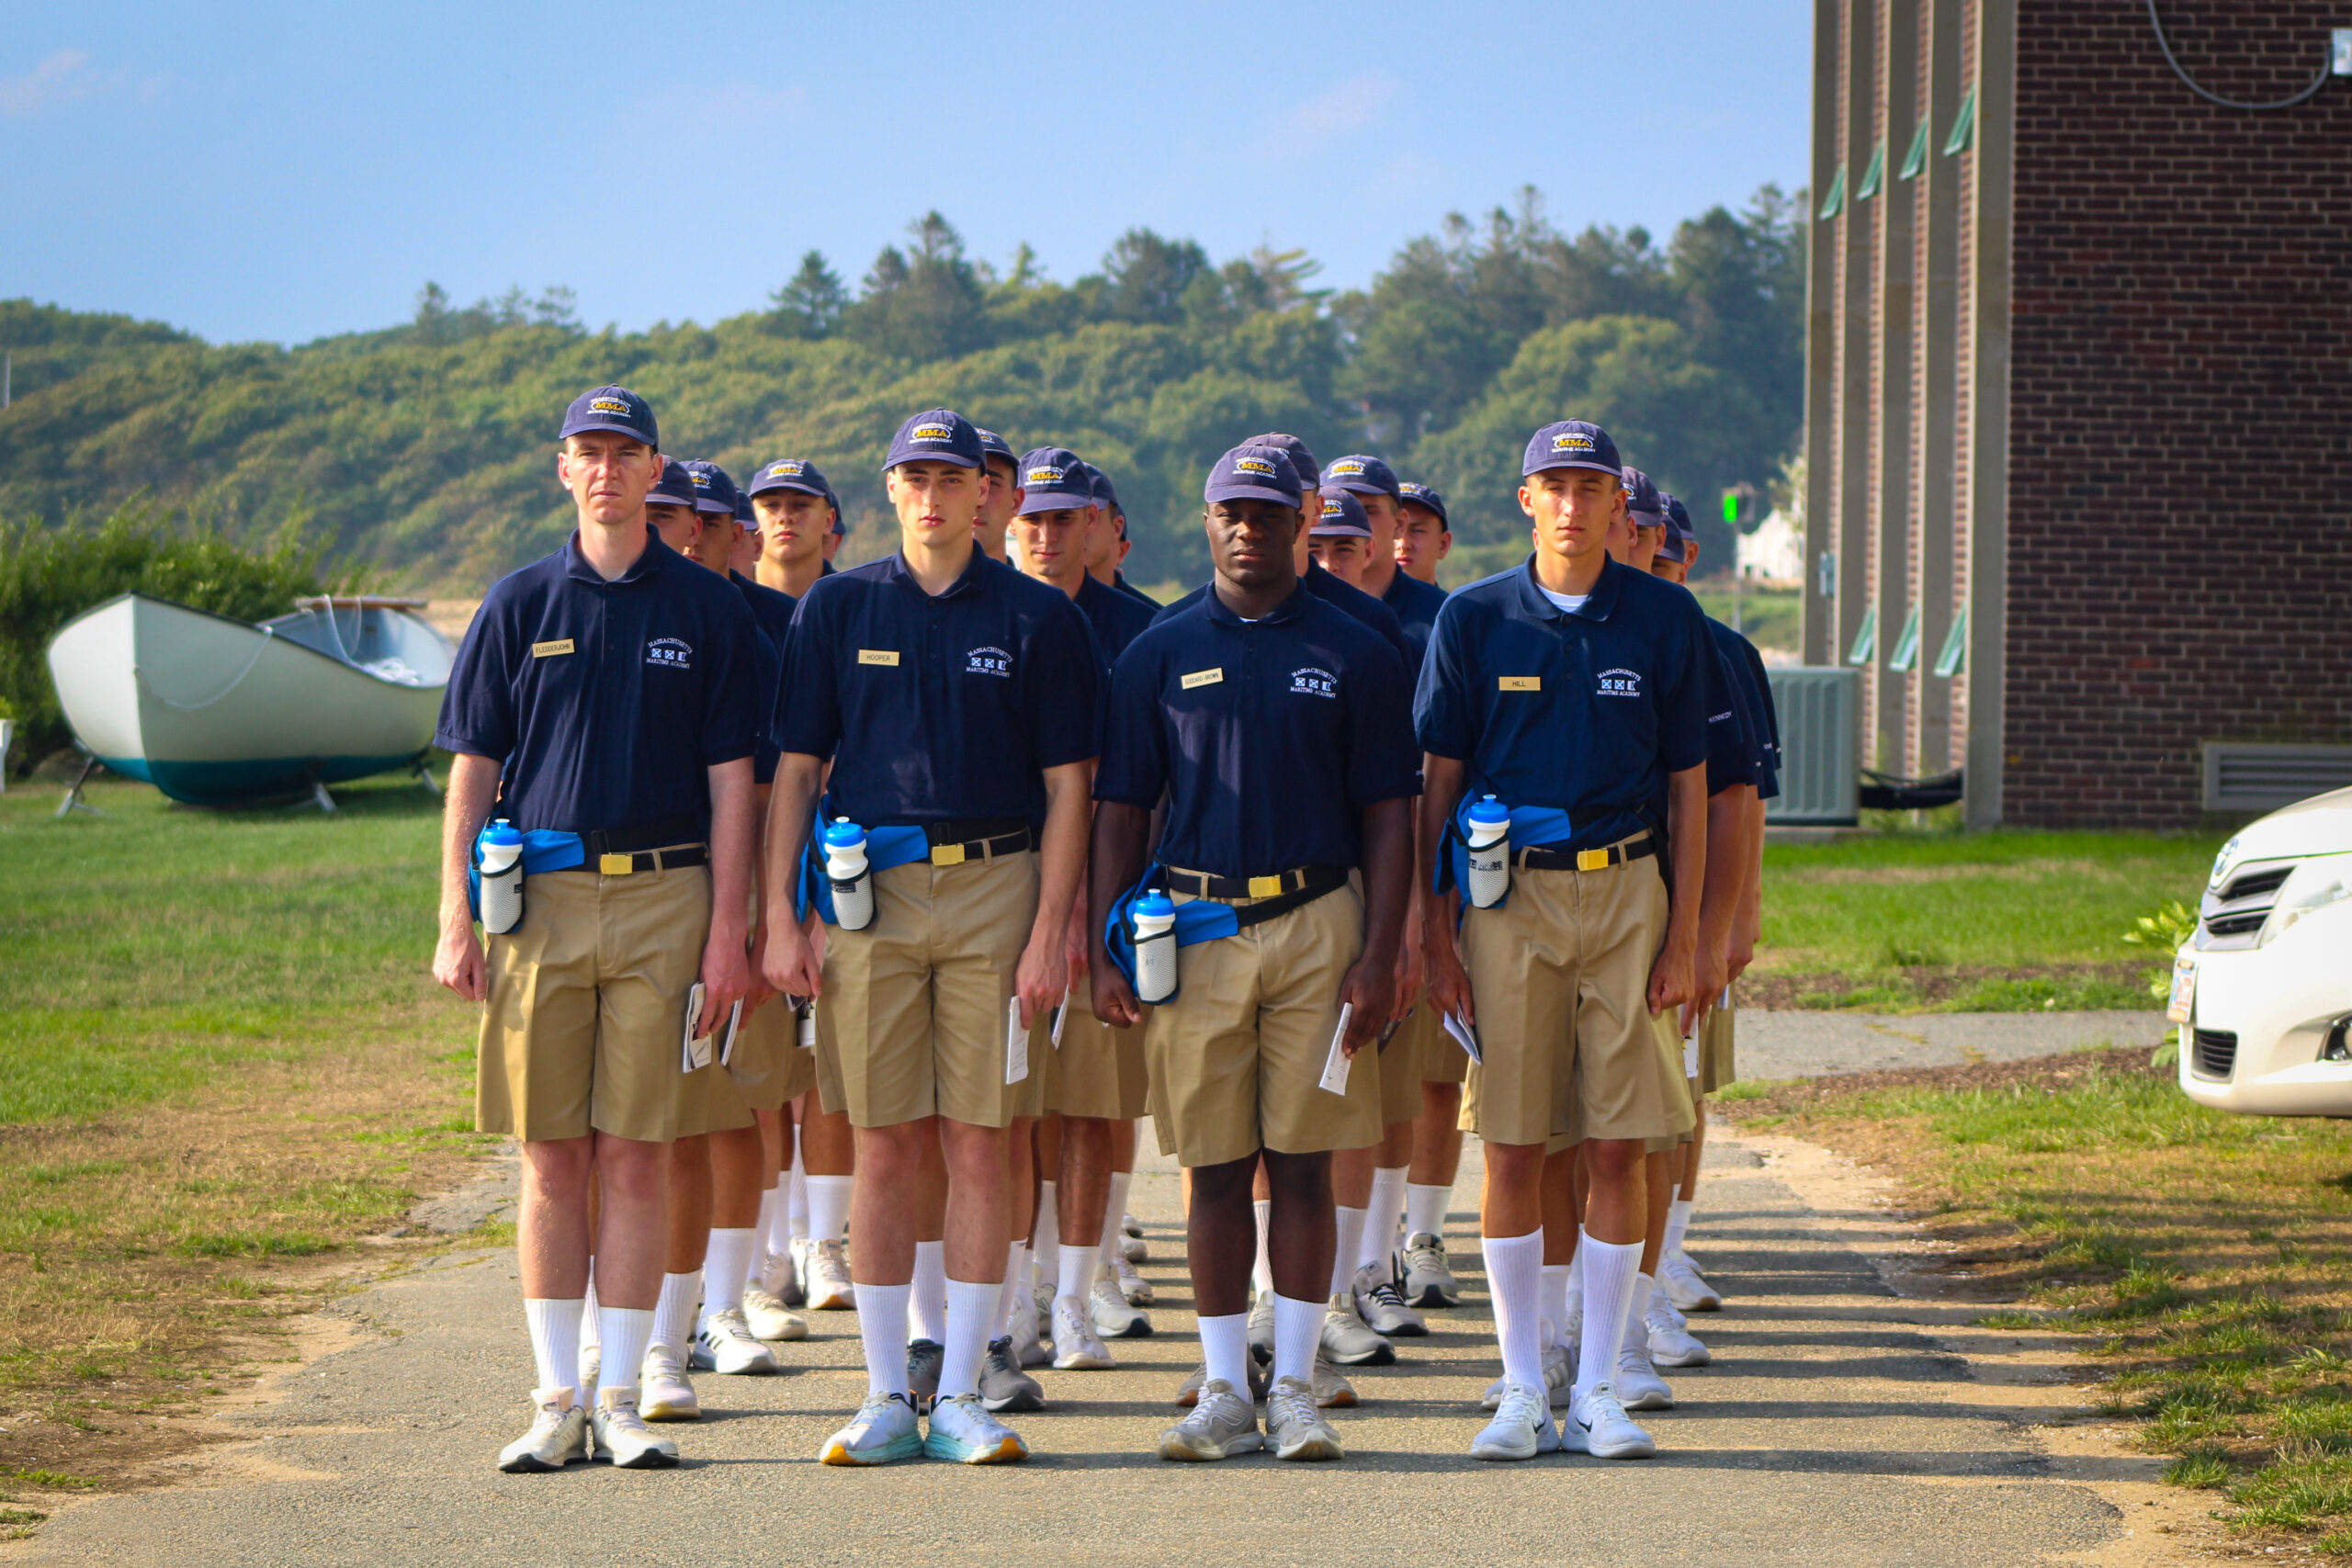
{"points": [[74, 801], [425, 776], [321, 799]]}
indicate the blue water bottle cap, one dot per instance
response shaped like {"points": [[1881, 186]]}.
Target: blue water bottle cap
{"points": [[1155, 906], [1488, 812], [502, 832], [843, 834]]}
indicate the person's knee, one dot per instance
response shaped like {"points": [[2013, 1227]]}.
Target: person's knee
{"points": [[888, 1154], [628, 1169], [1512, 1164], [1299, 1178], [1613, 1159], [559, 1168]]}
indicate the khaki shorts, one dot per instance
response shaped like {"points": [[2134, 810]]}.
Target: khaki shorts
{"points": [[1558, 979], [912, 1014], [587, 1008], [1715, 1068], [1442, 1060], [1236, 1059], [1098, 1070], [824, 1069], [768, 1066], [1400, 1072]]}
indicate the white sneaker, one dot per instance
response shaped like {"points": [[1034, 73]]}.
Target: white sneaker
{"points": [[882, 1430], [1114, 1317], [1261, 1329], [1223, 1423], [1188, 1392], [1597, 1424], [1521, 1428], [769, 1318], [825, 1277], [1383, 1309], [726, 1345], [1295, 1423], [779, 1275], [1131, 1226], [1132, 1286], [623, 1439], [1637, 1383], [592, 1373], [1559, 1379], [665, 1391], [559, 1435], [1684, 1288], [1043, 1296], [963, 1431], [1429, 1283], [1076, 1349], [1131, 1243], [1331, 1388], [1672, 1345], [1028, 1339], [1348, 1340]]}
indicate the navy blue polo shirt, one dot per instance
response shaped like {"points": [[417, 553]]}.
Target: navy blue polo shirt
{"points": [[1116, 619], [1269, 737], [604, 702], [1586, 712], [1119, 581], [1415, 604], [1765, 718], [938, 709], [1733, 758], [1328, 587], [772, 612]]}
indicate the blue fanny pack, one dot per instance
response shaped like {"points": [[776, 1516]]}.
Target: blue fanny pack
{"points": [[884, 847], [1201, 919], [544, 849], [1530, 826]]}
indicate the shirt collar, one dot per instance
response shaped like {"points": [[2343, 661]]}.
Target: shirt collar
{"points": [[1222, 614], [1597, 603], [649, 563], [966, 581]]}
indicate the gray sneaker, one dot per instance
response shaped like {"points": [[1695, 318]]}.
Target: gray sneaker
{"points": [[1297, 1427], [1114, 1317], [1004, 1385], [1222, 1424], [1261, 1328], [1349, 1341], [1333, 1389], [1188, 1392], [1132, 1286], [1382, 1309], [559, 1435], [623, 1439], [924, 1357], [1429, 1283]]}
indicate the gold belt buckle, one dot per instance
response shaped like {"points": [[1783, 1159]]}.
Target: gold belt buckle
{"points": [[947, 854], [1592, 860], [1265, 886], [615, 866]]}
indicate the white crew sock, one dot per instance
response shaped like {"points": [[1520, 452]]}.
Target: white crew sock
{"points": [[1554, 1300], [1575, 1285], [1379, 1243], [671, 1323], [1261, 1272], [829, 1206], [796, 1201], [555, 1339], [1045, 1245], [971, 1309], [625, 1332], [588, 1333], [726, 1265], [1608, 1270], [763, 1227], [1637, 1306], [1224, 1350], [1425, 1209], [927, 1307], [1077, 1265], [1115, 1209], [1343, 1261], [1016, 1275], [882, 1327], [1678, 1225], [1515, 1285], [1298, 1330]]}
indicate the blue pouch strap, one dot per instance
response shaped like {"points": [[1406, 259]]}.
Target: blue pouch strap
{"points": [[1530, 826], [884, 847], [544, 849], [1202, 920]]}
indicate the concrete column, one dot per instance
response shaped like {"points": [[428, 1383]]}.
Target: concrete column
{"points": [[1896, 70], [1855, 117], [1987, 366], [1821, 344], [1934, 308]]}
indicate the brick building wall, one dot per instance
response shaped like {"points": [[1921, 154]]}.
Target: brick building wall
{"points": [[2179, 513]]}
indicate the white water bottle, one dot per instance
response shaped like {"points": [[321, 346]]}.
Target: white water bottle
{"points": [[1490, 852], [1155, 933], [502, 878], [852, 882]]}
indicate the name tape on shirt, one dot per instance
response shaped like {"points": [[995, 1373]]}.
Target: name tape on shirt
{"points": [[544, 649], [877, 656], [1203, 677], [1520, 682]]}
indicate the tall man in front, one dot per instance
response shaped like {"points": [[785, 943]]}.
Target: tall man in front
{"points": [[1272, 723], [604, 704], [1572, 691], [955, 699]]}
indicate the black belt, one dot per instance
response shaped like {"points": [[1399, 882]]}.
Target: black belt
{"points": [[645, 836], [1307, 878], [983, 838], [1545, 858], [614, 862]]}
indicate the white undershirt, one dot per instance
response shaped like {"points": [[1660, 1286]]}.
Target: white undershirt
{"points": [[1569, 603]]}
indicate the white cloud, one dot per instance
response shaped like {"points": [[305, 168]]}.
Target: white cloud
{"points": [[1338, 111], [61, 79]]}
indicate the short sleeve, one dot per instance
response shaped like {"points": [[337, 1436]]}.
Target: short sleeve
{"points": [[809, 699], [1689, 662], [478, 706], [769, 664], [1134, 765], [1061, 685], [1445, 715], [1732, 757], [730, 691], [1382, 761]]}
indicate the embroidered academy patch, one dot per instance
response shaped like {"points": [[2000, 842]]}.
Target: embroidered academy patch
{"points": [[1619, 683], [987, 661], [1313, 682], [670, 653]]}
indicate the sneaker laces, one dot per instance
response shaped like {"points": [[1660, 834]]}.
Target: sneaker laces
{"points": [[1289, 1405], [1386, 1293], [730, 1321]]}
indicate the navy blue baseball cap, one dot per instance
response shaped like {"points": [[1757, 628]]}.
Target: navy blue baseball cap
{"points": [[1251, 472], [994, 445], [938, 435], [1675, 547], [1644, 500], [835, 503], [743, 513], [790, 473], [1053, 479], [674, 487], [1106, 495], [611, 408], [1426, 495], [1302, 461], [714, 487], [1342, 514], [1364, 474], [1572, 444]]}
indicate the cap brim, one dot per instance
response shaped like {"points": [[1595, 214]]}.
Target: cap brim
{"points": [[710, 509], [1360, 486], [1036, 500], [1253, 493], [799, 486], [1340, 530], [958, 459], [581, 427], [1616, 473], [1646, 519], [657, 498]]}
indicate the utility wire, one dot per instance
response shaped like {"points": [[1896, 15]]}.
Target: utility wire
{"points": [[2170, 58]]}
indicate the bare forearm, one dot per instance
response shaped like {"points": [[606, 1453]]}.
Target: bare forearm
{"points": [[792, 803], [730, 846], [1687, 835], [1115, 860], [473, 790], [1727, 878], [1441, 791], [1062, 856], [1387, 873]]}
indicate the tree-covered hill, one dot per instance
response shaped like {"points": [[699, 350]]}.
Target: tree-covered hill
{"points": [[426, 448]]}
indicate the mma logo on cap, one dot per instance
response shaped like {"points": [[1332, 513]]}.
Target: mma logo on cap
{"points": [[1346, 466], [1572, 441], [931, 433], [1332, 507], [791, 468], [1258, 466], [702, 480], [608, 405], [1044, 475]]}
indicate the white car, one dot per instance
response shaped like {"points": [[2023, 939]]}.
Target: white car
{"points": [[2265, 987]]}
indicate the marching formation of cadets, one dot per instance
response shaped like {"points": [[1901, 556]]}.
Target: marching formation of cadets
{"points": [[840, 890]]}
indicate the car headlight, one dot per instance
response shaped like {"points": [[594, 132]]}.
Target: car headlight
{"points": [[2313, 886]]}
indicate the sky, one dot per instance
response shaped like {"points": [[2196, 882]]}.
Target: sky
{"points": [[286, 172]]}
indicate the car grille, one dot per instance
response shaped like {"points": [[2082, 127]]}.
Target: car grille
{"points": [[2213, 1055], [2232, 916]]}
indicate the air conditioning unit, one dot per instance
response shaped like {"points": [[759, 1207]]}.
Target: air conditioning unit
{"points": [[2241, 777], [1820, 710]]}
